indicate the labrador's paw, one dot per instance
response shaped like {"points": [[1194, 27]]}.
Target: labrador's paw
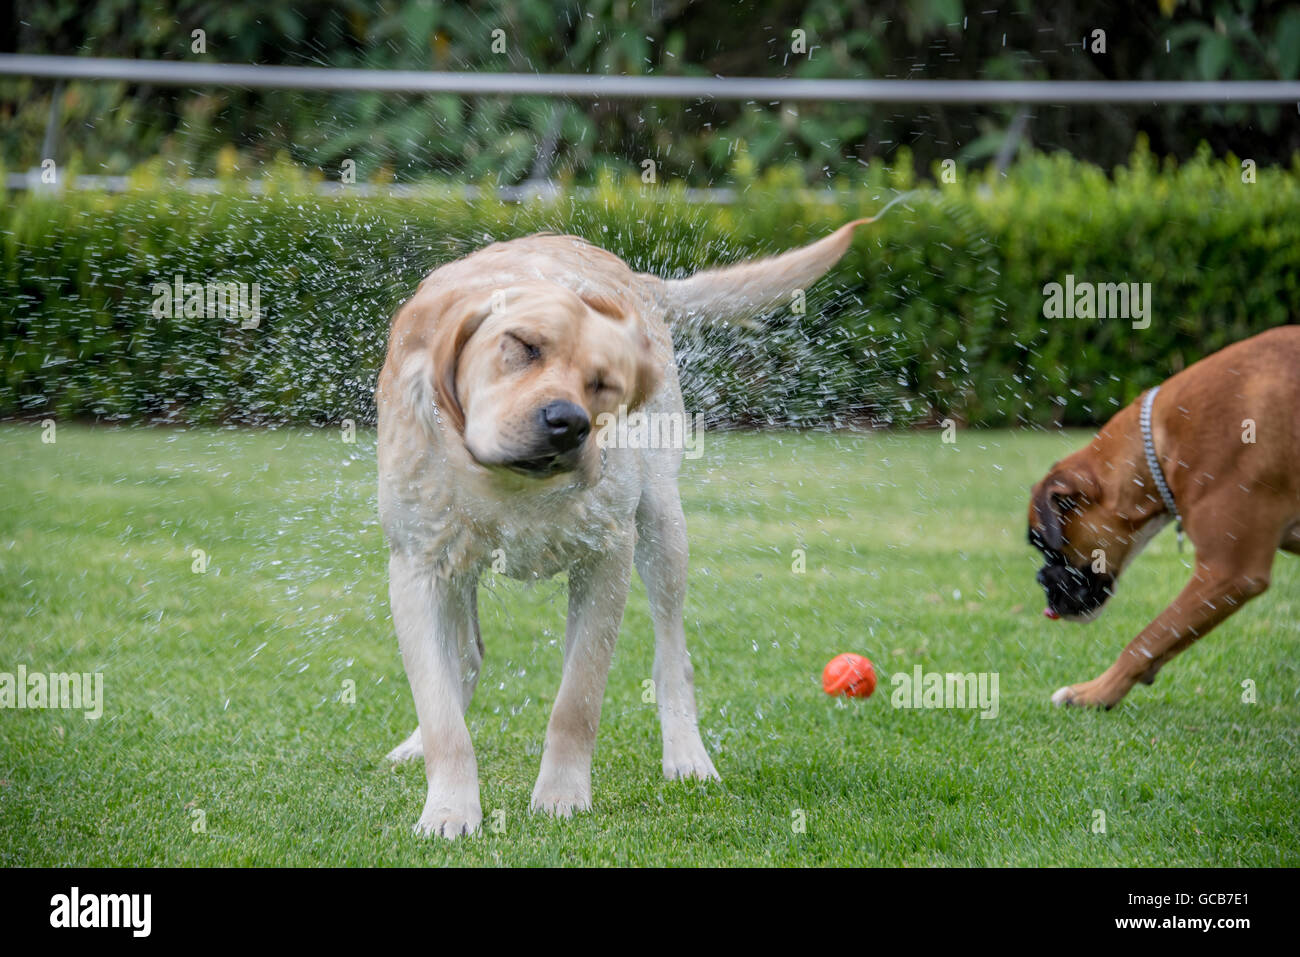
{"points": [[687, 760], [449, 819], [408, 750], [560, 793]]}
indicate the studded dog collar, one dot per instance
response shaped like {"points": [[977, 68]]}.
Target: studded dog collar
{"points": [[1153, 463]]}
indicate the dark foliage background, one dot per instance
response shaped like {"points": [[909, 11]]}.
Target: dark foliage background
{"points": [[936, 311], [109, 128]]}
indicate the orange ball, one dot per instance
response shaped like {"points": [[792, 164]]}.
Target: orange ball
{"points": [[849, 674]]}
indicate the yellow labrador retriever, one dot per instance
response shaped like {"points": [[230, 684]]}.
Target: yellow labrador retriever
{"points": [[497, 369]]}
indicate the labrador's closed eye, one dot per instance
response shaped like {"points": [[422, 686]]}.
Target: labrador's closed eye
{"points": [[521, 347]]}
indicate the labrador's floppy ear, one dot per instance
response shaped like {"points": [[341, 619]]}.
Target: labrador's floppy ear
{"points": [[647, 373], [460, 319], [1062, 491]]}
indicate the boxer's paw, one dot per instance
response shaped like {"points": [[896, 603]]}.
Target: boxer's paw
{"points": [[1091, 694]]}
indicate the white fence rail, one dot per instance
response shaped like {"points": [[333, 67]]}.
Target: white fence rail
{"points": [[318, 79], [196, 73], [524, 192]]}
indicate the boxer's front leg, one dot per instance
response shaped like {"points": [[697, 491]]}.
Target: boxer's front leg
{"points": [[1224, 580]]}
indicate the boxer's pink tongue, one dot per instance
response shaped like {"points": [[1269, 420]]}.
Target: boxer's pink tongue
{"points": [[1050, 612]]}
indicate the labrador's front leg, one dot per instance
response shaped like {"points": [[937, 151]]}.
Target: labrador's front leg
{"points": [[661, 556], [436, 630], [597, 595]]}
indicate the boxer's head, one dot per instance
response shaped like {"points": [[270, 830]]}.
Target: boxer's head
{"points": [[1085, 543]]}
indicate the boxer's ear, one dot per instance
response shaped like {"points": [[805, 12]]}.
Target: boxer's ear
{"points": [[1061, 493], [1048, 520]]}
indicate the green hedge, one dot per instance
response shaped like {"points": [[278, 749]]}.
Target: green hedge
{"points": [[936, 311]]}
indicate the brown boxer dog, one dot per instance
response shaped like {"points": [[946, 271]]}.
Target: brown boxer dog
{"points": [[1226, 440]]}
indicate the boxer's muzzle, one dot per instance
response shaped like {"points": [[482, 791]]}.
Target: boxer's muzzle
{"points": [[1071, 592]]}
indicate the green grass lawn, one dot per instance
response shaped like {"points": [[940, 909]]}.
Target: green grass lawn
{"points": [[225, 691]]}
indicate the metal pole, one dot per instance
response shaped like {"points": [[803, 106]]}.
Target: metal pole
{"points": [[974, 92]]}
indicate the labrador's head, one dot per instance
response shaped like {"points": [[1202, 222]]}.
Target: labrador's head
{"points": [[523, 372]]}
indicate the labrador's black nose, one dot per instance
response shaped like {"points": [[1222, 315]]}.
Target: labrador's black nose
{"points": [[565, 423]]}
